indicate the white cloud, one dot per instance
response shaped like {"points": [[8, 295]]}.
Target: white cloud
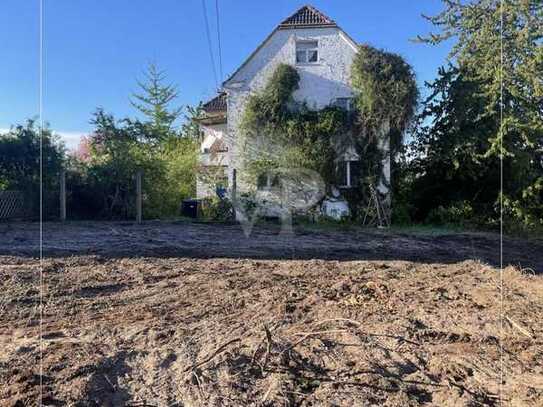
{"points": [[70, 138]]}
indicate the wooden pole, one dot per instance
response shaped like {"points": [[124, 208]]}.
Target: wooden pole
{"points": [[63, 195], [138, 197]]}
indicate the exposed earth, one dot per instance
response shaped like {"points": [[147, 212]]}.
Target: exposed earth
{"points": [[184, 314]]}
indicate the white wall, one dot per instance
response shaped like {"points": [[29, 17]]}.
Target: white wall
{"points": [[320, 83], [212, 132]]}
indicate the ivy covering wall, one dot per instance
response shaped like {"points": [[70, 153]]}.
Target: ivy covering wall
{"points": [[279, 132]]}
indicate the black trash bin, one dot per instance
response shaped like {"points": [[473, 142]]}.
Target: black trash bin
{"points": [[190, 208]]}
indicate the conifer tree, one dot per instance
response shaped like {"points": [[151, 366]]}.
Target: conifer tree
{"points": [[155, 100]]}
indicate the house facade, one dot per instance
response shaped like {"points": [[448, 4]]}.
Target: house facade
{"points": [[322, 54]]}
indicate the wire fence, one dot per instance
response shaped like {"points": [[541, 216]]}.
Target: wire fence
{"points": [[25, 205], [71, 198], [12, 205]]}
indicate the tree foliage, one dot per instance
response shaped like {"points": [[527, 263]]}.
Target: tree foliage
{"points": [[103, 185], [504, 103], [386, 94], [20, 158], [30, 162], [448, 163], [103, 174], [155, 100]]}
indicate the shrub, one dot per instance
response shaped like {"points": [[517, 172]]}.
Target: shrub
{"points": [[217, 209], [458, 213]]}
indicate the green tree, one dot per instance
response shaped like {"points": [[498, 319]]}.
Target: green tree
{"points": [[118, 149], [155, 101], [30, 162], [386, 100], [386, 94], [448, 163], [190, 128], [20, 157], [498, 52], [103, 185]]}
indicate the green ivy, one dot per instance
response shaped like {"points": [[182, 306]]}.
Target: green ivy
{"points": [[277, 132]]}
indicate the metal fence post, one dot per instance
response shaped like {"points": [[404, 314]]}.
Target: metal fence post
{"points": [[62, 195], [138, 197]]}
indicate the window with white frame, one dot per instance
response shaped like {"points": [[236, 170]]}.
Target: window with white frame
{"points": [[348, 173], [307, 52]]}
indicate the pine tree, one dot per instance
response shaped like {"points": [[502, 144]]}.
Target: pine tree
{"points": [[155, 99]]}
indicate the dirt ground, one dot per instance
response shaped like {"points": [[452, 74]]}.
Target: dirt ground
{"points": [[179, 314]]}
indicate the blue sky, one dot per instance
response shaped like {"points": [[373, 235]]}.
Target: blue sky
{"points": [[95, 50]]}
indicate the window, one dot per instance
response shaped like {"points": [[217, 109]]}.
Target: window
{"points": [[348, 173], [344, 103], [267, 181], [307, 52]]}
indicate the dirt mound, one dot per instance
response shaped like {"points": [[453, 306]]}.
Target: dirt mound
{"points": [[226, 332]]}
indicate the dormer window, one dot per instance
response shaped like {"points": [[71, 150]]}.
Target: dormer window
{"points": [[307, 52]]}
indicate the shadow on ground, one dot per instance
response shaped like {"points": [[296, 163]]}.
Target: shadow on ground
{"points": [[197, 240]]}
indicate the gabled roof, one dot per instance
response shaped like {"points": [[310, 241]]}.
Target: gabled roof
{"points": [[307, 16], [214, 110], [216, 105]]}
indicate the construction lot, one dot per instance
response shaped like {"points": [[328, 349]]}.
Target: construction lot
{"points": [[181, 314]]}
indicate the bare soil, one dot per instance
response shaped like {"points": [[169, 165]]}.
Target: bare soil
{"points": [[177, 314]]}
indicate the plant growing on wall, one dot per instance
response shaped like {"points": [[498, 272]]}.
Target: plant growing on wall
{"points": [[386, 95], [277, 132]]}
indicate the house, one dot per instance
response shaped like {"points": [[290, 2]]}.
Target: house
{"points": [[322, 54]]}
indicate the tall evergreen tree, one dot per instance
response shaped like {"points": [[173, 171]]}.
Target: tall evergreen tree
{"points": [[155, 101], [498, 50]]}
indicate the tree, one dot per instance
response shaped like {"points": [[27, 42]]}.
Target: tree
{"points": [[509, 88], [190, 128], [30, 162], [118, 149], [155, 100], [386, 94], [103, 183], [20, 158], [448, 164], [386, 101]]}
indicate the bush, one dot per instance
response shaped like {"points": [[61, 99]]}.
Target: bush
{"points": [[458, 213], [401, 213], [216, 209]]}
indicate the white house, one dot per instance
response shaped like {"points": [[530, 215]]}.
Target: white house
{"points": [[321, 52]]}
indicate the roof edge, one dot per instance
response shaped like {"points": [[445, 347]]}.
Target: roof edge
{"points": [[282, 26]]}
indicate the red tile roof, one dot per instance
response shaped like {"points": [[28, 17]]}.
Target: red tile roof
{"points": [[217, 104], [307, 16]]}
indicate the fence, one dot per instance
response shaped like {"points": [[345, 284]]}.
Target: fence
{"points": [[25, 205], [69, 201], [12, 205]]}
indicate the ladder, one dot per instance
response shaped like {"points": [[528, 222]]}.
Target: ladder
{"points": [[375, 212]]}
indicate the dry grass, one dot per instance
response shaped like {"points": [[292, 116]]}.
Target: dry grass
{"points": [[227, 332]]}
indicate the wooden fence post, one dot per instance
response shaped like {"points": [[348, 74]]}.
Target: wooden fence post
{"points": [[138, 197], [63, 195]]}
